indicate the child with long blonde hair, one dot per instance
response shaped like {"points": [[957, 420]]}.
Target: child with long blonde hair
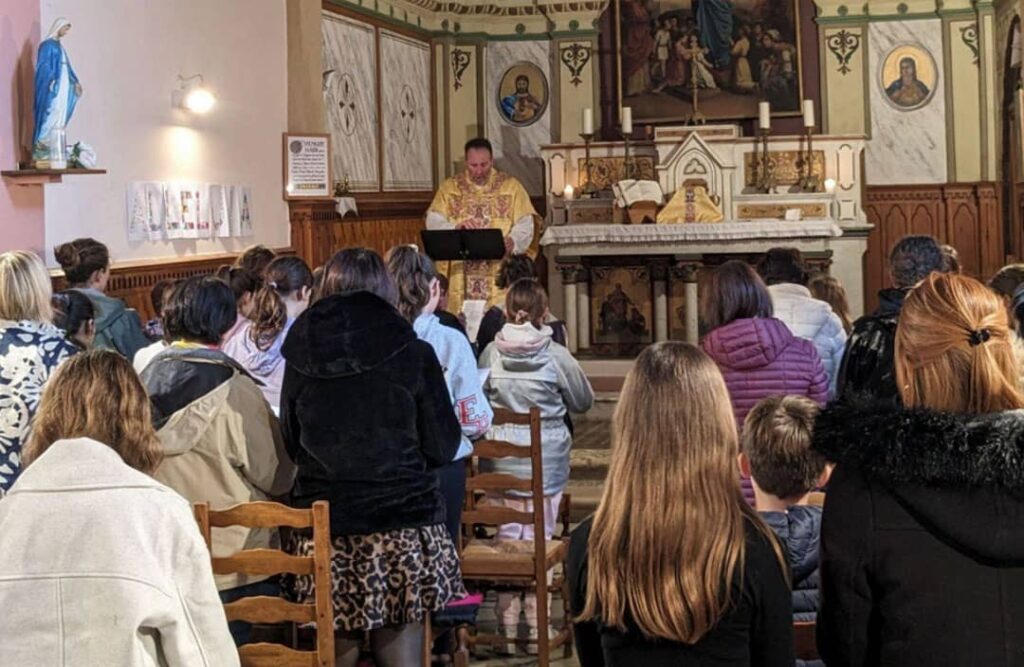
{"points": [[675, 567]]}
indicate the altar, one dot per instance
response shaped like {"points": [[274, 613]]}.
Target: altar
{"points": [[620, 287]]}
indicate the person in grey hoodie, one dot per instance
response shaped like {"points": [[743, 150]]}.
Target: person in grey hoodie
{"points": [[418, 294], [256, 345], [86, 264], [527, 370]]}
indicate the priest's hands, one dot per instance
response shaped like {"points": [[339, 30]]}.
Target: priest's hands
{"points": [[471, 224]]}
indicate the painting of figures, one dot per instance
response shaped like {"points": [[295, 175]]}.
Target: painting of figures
{"points": [[735, 53]]}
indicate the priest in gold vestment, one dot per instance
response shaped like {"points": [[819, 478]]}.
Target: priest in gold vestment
{"points": [[478, 198]]}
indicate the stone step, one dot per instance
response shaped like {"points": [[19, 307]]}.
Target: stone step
{"points": [[586, 495], [589, 464]]}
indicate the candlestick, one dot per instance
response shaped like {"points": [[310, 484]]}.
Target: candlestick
{"points": [[764, 116], [627, 121], [589, 189], [588, 121], [810, 182], [627, 161], [808, 113], [765, 176]]}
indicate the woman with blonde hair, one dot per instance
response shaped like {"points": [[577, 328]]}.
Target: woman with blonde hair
{"points": [[921, 540], [31, 348], [103, 565], [675, 567]]}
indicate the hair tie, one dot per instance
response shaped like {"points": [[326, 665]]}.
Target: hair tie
{"points": [[522, 316], [272, 285], [978, 336]]}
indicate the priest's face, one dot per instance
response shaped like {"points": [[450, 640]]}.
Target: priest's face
{"points": [[478, 164]]}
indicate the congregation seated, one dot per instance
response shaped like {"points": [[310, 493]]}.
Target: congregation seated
{"points": [[783, 271], [73, 313], [921, 535], [868, 361], [419, 292], [31, 348], [777, 456], [256, 344], [220, 441], [86, 265], [103, 565], [756, 353], [368, 419], [675, 568]]}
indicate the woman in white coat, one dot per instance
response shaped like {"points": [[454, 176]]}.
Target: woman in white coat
{"points": [[102, 564]]}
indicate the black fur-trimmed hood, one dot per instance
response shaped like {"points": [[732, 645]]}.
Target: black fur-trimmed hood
{"points": [[961, 476]]}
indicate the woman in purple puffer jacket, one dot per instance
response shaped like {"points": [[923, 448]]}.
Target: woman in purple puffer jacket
{"points": [[756, 353]]}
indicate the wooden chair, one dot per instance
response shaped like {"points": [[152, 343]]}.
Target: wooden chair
{"points": [[266, 609], [804, 642], [518, 564]]}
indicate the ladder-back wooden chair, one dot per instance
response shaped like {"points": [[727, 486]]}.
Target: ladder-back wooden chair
{"points": [[266, 609], [517, 564]]}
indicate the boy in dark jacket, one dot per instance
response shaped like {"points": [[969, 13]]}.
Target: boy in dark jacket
{"points": [[778, 458]]}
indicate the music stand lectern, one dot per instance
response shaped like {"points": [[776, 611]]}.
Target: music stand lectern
{"points": [[463, 245]]}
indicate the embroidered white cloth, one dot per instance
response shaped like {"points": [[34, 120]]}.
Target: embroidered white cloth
{"points": [[346, 205], [714, 231]]}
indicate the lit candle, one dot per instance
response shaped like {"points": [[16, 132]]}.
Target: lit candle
{"points": [[830, 185], [568, 193], [627, 121], [764, 115], [588, 121], [808, 113]]}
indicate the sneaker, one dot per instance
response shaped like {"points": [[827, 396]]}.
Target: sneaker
{"points": [[531, 648]]}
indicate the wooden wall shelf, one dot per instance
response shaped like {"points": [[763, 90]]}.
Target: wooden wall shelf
{"points": [[41, 176]]}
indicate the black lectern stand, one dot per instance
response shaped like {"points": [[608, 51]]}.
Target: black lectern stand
{"points": [[463, 245]]}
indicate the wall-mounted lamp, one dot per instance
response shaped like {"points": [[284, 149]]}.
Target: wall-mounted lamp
{"points": [[192, 95]]}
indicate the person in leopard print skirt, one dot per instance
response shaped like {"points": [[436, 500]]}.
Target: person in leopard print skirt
{"points": [[368, 420]]}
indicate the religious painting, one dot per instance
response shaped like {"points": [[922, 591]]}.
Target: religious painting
{"points": [[620, 309], [522, 94], [732, 53], [908, 77]]}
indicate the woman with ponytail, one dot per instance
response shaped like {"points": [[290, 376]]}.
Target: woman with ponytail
{"points": [[256, 346], [923, 530], [418, 294], [526, 369]]}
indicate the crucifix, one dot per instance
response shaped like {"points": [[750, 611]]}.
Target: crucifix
{"points": [[693, 52]]}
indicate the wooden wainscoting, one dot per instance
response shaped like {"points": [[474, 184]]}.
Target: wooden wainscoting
{"points": [[132, 281], [964, 215], [318, 231]]}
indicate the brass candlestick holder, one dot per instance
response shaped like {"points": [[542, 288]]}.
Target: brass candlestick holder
{"points": [[589, 189], [766, 170], [809, 181], [628, 168]]}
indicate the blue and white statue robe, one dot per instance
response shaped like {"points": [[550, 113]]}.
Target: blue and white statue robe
{"points": [[55, 95], [714, 22]]}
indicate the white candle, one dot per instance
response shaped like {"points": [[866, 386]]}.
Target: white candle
{"points": [[627, 120], [764, 115], [568, 193], [588, 121], [830, 185], [808, 113]]}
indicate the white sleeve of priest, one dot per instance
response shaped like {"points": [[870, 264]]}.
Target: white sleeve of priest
{"points": [[437, 221], [522, 234]]}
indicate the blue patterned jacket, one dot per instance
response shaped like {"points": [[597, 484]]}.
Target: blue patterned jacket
{"points": [[29, 353]]}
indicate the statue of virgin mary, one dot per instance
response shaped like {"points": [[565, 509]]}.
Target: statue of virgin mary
{"points": [[57, 89]]}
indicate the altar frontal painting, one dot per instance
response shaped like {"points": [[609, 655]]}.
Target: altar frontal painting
{"points": [[735, 52], [620, 309]]}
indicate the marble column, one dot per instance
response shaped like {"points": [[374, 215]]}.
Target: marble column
{"points": [[687, 272], [583, 311], [660, 276], [571, 273]]}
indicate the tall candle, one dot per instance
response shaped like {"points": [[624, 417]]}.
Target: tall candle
{"points": [[568, 192], [808, 113], [764, 115], [588, 121], [627, 120]]}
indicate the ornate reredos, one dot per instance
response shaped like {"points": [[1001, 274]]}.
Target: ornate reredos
{"points": [[692, 160]]}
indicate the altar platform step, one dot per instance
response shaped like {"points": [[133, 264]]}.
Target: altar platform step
{"points": [[592, 448]]}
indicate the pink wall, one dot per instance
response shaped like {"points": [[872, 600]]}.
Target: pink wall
{"points": [[21, 208]]}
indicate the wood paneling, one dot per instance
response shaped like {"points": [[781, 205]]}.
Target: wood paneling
{"points": [[964, 215], [318, 232], [132, 281]]}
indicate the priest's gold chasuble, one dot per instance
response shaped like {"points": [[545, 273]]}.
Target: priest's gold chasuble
{"points": [[500, 203]]}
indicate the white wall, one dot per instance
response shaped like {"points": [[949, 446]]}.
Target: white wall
{"points": [[127, 55]]}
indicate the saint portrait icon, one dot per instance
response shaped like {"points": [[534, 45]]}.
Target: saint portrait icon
{"points": [[908, 77], [522, 95]]}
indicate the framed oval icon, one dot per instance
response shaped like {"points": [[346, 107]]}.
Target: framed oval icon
{"points": [[522, 95], [909, 77]]}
